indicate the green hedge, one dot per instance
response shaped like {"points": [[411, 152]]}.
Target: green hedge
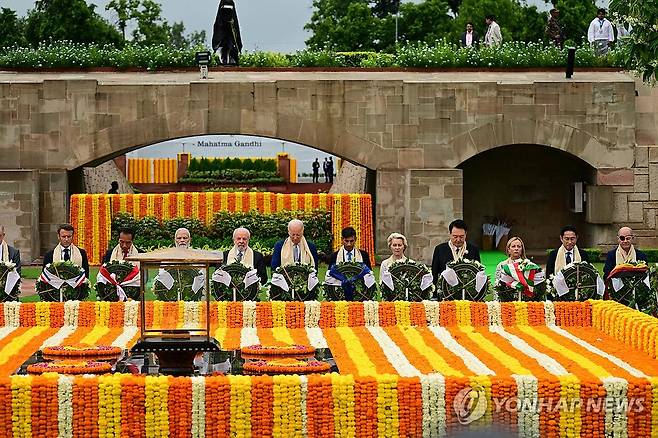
{"points": [[215, 164], [597, 255], [266, 230], [64, 54], [231, 175]]}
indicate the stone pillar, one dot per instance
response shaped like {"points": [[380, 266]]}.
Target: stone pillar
{"points": [[183, 164], [283, 166], [419, 204], [122, 164], [54, 206], [19, 211]]}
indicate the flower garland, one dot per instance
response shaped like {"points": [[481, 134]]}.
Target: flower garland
{"points": [[278, 350], [70, 367], [285, 366], [156, 400], [81, 350]]}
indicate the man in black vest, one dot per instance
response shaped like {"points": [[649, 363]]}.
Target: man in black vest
{"points": [[455, 249]]}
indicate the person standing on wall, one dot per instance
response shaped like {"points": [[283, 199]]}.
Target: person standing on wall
{"points": [[316, 171]]}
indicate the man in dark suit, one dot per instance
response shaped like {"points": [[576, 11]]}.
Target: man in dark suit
{"points": [[348, 252], [470, 38], [66, 251], [9, 254], [124, 249], [455, 249], [242, 253], [625, 252], [294, 249], [567, 253]]}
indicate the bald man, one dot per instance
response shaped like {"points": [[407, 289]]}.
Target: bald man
{"points": [[625, 252]]}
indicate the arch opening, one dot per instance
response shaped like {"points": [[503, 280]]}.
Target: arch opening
{"points": [[533, 194]]}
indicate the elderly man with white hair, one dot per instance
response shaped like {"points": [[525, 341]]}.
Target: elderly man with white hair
{"points": [[182, 238], [295, 249], [624, 252], [242, 253]]}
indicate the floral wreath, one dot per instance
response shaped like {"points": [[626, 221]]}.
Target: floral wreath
{"points": [[7, 271], [74, 288], [182, 288], [581, 280], [285, 366], [109, 292], [407, 280], [70, 367], [237, 271], [353, 286], [296, 275], [525, 281], [633, 284], [274, 350], [81, 350], [470, 282]]}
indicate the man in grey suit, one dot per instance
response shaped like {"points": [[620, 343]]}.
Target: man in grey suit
{"points": [[9, 253]]}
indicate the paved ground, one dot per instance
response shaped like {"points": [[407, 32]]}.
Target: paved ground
{"points": [[513, 77]]}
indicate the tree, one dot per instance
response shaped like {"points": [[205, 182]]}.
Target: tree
{"points": [[11, 29], [71, 20], [384, 8], [180, 41], [342, 25], [125, 10], [151, 28], [427, 21], [643, 43], [575, 17]]}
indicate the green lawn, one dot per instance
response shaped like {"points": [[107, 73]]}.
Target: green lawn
{"points": [[489, 258]]}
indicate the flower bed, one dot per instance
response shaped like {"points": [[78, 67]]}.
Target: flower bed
{"points": [[403, 369], [91, 214]]}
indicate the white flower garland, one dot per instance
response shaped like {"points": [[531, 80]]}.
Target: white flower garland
{"points": [[248, 336], [527, 406], [434, 405], [71, 313], [12, 313], [130, 313], [472, 363], [432, 313], [615, 406], [65, 406], [493, 310], [198, 407], [249, 314], [58, 337], [191, 314], [549, 313], [304, 394], [393, 353], [371, 313], [125, 337], [311, 313], [547, 362], [617, 361], [316, 338]]}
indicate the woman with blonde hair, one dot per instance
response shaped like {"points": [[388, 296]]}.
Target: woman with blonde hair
{"points": [[515, 250], [398, 244]]}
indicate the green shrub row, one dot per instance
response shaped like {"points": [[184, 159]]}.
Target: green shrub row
{"points": [[65, 54], [231, 175], [266, 229], [213, 164]]}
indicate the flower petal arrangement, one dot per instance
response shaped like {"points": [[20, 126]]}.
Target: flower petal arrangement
{"points": [[405, 369]]}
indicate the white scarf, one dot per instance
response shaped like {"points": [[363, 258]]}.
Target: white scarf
{"points": [[76, 255], [561, 258], [247, 257], [342, 255], [5, 252], [457, 253], [287, 253], [117, 254], [622, 257]]}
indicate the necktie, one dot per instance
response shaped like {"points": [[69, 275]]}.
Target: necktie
{"points": [[238, 258], [349, 256], [296, 253], [125, 254], [67, 256], [568, 257]]}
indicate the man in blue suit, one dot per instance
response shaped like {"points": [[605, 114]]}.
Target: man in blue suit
{"points": [[295, 249]]}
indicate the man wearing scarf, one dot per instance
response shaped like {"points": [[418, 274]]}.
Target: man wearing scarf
{"points": [[65, 250], [624, 253], [242, 253], [348, 252], [456, 248], [294, 249], [567, 253], [124, 249], [9, 254]]}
